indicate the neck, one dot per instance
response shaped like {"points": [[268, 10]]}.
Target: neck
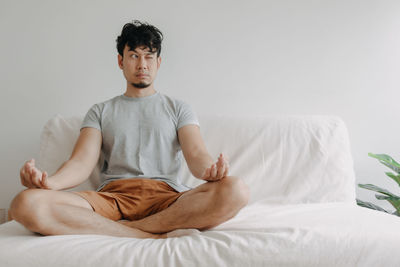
{"points": [[132, 91]]}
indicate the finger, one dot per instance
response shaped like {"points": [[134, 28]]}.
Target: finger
{"points": [[223, 156], [44, 180], [35, 178], [225, 163], [31, 177], [224, 160], [220, 161], [26, 182], [26, 167], [219, 166], [38, 178], [24, 177], [213, 171], [31, 163], [208, 173], [28, 173], [221, 171], [22, 172]]}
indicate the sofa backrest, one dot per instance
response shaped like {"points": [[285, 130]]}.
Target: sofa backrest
{"points": [[284, 159]]}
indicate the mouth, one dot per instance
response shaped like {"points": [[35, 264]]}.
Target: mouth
{"points": [[141, 75]]}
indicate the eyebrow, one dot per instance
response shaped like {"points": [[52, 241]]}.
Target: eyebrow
{"points": [[147, 53]]}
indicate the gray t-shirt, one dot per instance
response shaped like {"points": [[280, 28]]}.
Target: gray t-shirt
{"points": [[140, 137]]}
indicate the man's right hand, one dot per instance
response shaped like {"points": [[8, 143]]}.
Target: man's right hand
{"points": [[32, 177]]}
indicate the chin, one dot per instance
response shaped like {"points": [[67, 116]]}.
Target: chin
{"points": [[141, 85]]}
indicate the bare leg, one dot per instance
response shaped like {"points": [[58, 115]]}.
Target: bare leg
{"points": [[51, 212], [204, 207]]}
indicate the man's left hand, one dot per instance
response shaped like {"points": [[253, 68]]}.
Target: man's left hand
{"points": [[217, 171]]}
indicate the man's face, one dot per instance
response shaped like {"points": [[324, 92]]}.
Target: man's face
{"points": [[139, 66]]}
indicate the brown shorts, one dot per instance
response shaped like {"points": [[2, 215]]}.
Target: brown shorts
{"points": [[131, 199]]}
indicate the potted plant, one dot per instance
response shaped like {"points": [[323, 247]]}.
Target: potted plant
{"points": [[393, 199]]}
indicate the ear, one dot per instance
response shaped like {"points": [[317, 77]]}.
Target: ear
{"points": [[158, 62], [120, 64]]}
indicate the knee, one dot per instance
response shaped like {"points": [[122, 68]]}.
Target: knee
{"points": [[26, 208], [233, 193]]}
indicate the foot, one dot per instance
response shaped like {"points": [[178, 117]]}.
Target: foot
{"points": [[174, 233], [182, 232]]}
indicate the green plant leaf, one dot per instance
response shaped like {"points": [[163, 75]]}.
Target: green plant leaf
{"points": [[395, 201], [377, 189], [396, 178], [387, 161], [370, 205]]}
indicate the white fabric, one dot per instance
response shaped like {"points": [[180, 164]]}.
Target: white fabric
{"points": [[320, 234], [293, 159], [302, 210]]}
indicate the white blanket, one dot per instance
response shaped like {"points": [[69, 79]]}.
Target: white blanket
{"points": [[328, 234], [302, 210]]}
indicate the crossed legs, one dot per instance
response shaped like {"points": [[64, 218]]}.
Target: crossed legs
{"points": [[203, 207], [49, 212], [57, 212]]}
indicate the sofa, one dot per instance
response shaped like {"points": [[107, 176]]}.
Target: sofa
{"points": [[302, 210]]}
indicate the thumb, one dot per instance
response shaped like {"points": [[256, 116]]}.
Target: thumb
{"points": [[206, 173], [44, 181]]}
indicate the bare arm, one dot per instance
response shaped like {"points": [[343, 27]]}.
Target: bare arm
{"points": [[83, 159], [199, 161], [72, 172]]}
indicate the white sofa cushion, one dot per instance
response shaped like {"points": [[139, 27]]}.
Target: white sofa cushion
{"points": [[284, 159]]}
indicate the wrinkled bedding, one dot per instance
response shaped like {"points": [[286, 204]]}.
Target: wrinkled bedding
{"points": [[302, 210], [328, 234]]}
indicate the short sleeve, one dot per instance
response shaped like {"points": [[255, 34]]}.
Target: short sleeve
{"points": [[92, 118], [186, 115]]}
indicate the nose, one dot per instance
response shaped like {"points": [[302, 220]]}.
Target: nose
{"points": [[142, 64]]}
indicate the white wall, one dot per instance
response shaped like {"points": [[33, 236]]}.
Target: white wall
{"points": [[227, 57]]}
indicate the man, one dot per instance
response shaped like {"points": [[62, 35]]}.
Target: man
{"points": [[142, 134]]}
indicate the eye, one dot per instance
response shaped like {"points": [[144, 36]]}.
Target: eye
{"points": [[134, 56]]}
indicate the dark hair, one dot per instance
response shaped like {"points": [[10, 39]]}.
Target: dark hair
{"points": [[139, 34]]}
